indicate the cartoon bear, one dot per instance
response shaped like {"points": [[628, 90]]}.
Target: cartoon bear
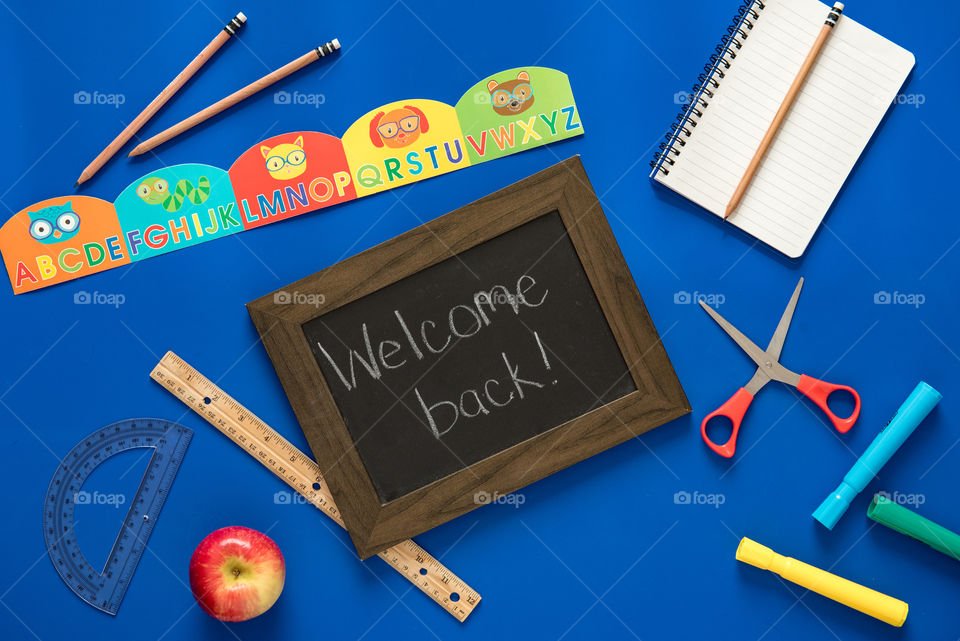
{"points": [[511, 97], [398, 127]]}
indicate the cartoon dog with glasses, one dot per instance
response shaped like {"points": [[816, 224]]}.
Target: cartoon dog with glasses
{"points": [[398, 127], [511, 97], [286, 160]]}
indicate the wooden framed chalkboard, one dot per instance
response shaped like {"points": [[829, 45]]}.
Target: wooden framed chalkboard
{"points": [[469, 357]]}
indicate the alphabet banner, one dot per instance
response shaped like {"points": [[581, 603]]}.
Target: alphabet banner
{"points": [[64, 238]]}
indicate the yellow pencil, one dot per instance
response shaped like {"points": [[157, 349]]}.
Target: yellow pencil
{"points": [[162, 98], [805, 68]]}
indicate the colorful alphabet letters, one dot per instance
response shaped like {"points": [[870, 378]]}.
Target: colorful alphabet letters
{"points": [[402, 142]]}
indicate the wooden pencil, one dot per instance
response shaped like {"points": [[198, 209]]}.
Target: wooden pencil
{"points": [[237, 96], [788, 100], [168, 92]]}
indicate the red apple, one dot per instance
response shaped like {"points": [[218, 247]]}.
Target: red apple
{"points": [[236, 573]]}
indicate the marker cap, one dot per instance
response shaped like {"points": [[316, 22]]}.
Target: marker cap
{"points": [[896, 517], [749, 551], [835, 505]]}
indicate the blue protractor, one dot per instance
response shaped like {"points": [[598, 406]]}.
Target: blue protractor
{"points": [[104, 589]]}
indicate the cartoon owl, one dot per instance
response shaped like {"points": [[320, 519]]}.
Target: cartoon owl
{"points": [[513, 96], [398, 127], [286, 160], [54, 224]]}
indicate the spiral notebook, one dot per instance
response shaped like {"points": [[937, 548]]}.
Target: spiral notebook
{"points": [[852, 84]]}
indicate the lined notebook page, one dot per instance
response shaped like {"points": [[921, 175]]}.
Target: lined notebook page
{"points": [[850, 87]]}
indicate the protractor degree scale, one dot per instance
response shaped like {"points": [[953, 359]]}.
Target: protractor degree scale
{"points": [[104, 589]]}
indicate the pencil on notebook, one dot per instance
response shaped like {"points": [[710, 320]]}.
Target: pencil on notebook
{"points": [[237, 96], [788, 100], [168, 92]]}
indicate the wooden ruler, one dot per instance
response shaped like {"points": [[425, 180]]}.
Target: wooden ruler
{"points": [[302, 473]]}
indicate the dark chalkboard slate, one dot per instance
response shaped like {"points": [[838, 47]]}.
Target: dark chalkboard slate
{"points": [[515, 344], [469, 357]]}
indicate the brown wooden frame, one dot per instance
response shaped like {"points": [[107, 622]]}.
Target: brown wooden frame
{"points": [[659, 397]]}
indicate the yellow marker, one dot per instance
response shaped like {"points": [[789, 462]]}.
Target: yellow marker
{"points": [[878, 605]]}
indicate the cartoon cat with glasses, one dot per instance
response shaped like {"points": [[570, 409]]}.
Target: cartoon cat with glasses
{"points": [[511, 97], [398, 127], [286, 160]]}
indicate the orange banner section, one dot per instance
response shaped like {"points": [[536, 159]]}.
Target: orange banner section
{"points": [[61, 239]]}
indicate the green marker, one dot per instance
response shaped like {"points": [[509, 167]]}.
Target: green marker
{"points": [[896, 517]]}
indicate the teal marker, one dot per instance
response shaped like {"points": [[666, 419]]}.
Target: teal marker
{"points": [[922, 399]]}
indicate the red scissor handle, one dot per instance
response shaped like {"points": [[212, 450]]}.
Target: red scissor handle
{"points": [[819, 391], [734, 409]]}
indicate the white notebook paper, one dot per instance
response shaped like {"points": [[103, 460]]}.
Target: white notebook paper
{"points": [[852, 84]]}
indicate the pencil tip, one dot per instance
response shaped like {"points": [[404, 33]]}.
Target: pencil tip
{"points": [[76, 184], [730, 207]]}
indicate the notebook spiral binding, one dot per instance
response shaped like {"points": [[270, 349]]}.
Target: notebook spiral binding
{"points": [[707, 82]]}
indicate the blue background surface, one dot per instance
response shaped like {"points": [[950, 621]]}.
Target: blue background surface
{"points": [[599, 550]]}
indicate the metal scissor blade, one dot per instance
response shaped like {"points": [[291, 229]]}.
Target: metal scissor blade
{"points": [[757, 381], [770, 367], [779, 336]]}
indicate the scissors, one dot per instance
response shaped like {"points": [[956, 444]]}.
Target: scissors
{"points": [[769, 368]]}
